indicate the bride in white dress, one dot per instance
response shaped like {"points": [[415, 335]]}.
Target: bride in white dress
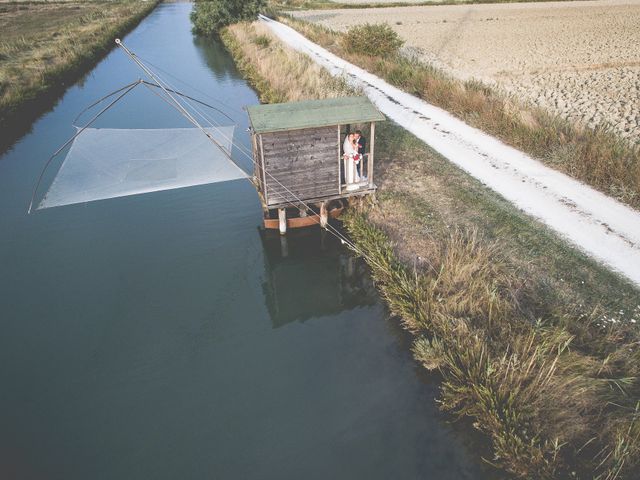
{"points": [[350, 158]]}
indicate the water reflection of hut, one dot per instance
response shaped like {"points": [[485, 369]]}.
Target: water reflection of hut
{"points": [[300, 165], [312, 275]]}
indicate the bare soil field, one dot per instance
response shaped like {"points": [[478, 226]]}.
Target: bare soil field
{"points": [[579, 59], [356, 2]]}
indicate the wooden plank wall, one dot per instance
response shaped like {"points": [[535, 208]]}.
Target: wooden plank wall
{"points": [[304, 161], [257, 161]]}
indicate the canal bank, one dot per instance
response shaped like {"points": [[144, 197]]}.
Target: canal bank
{"points": [[164, 336], [48, 46], [497, 302]]}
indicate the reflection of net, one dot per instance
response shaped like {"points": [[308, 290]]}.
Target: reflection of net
{"points": [[109, 163]]}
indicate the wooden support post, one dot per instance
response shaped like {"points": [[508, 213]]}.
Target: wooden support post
{"points": [[282, 220], [324, 215], [284, 246], [370, 162]]}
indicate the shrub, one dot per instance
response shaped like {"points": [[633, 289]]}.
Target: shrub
{"points": [[262, 41], [376, 40], [209, 16]]}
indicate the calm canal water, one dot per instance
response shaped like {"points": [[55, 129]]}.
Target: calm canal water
{"points": [[163, 336]]}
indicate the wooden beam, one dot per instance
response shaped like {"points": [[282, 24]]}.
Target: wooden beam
{"points": [[370, 161], [325, 198]]}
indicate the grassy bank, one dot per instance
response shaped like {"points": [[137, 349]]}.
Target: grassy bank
{"points": [[256, 51], [596, 157], [46, 46], [535, 342]]}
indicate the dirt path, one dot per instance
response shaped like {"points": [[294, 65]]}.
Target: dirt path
{"points": [[600, 226], [579, 59]]}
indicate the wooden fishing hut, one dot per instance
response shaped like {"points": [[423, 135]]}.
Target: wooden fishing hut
{"points": [[300, 163]]}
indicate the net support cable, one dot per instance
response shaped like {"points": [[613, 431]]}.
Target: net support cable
{"points": [[162, 172], [164, 84]]}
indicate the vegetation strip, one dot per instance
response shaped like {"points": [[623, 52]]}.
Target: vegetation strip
{"points": [[47, 45], [533, 340], [597, 157]]}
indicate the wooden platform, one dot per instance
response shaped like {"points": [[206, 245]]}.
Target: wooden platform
{"points": [[361, 192], [301, 222]]}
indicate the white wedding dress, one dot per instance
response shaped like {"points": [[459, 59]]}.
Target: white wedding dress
{"points": [[350, 171]]}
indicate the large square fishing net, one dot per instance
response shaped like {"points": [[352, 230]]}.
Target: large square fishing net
{"points": [[108, 163]]}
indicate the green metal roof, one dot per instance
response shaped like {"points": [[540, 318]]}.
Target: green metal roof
{"points": [[277, 117]]}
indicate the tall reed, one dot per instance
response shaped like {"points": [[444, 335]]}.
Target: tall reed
{"points": [[553, 404]]}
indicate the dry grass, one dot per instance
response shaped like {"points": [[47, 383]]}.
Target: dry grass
{"points": [[45, 44], [597, 157], [487, 291], [510, 316], [262, 60]]}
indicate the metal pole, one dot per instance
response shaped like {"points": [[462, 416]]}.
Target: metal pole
{"points": [[175, 102]]}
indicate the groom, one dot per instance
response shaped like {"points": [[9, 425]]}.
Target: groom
{"points": [[362, 143]]}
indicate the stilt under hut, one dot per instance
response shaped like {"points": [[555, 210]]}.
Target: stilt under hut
{"points": [[302, 172]]}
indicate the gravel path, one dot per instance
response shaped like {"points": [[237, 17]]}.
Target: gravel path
{"points": [[600, 226], [579, 59]]}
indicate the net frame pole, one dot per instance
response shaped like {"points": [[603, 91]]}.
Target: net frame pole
{"points": [[44, 169]]}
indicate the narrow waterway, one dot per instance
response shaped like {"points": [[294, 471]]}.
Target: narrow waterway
{"points": [[164, 336]]}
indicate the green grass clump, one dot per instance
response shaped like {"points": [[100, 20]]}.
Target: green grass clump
{"points": [[262, 41], [377, 40]]}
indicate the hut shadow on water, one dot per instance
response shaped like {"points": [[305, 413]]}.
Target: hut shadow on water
{"points": [[310, 274]]}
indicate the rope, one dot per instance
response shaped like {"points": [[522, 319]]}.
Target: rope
{"points": [[174, 102], [165, 86], [212, 123], [247, 154], [100, 100], [190, 98], [194, 88]]}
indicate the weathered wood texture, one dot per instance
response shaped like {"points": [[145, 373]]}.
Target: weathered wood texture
{"points": [[345, 194], [300, 163], [257, 164]]}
